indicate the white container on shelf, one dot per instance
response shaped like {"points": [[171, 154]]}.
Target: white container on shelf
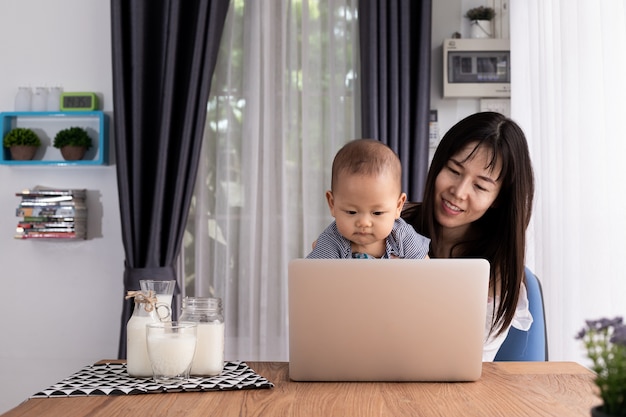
{"points": [[23, 99], [40, 99], [53, 102]]}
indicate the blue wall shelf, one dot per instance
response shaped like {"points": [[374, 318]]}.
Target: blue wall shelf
{"points": [[47, 124]]}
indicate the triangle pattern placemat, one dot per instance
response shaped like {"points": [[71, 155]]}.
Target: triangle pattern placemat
{"points": [[112, 379]]}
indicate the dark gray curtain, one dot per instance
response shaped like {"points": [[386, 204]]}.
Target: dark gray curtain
{"points": [[164, 54], [395, 82]]}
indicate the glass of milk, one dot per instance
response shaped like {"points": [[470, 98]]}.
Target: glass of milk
{"points": [[164, 291], [171, 346]]}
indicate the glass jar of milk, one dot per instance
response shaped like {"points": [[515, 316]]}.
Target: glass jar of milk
{"points": [[137, 361], [208, 313]]}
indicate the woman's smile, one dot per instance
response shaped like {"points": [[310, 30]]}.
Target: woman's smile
{"points": [[451, 208]]}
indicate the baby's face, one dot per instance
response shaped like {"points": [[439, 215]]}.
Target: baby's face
{"points": [[365, 208]]}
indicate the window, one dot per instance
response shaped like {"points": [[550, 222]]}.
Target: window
{"points": [[283, 100]]}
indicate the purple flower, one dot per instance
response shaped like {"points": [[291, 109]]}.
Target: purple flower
{"points": [[619, 335]]}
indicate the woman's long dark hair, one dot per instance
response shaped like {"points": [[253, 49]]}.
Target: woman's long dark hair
{"points": [[500, 235]]}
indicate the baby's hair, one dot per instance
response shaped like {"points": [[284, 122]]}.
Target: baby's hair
{"points": [[366, 157]]}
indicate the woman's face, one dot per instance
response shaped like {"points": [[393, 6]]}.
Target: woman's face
{"points": [[466, 188]]}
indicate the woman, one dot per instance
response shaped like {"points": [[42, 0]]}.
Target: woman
{"points": [[477, 204]]}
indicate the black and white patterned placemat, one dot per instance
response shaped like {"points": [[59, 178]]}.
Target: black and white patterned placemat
{"points": [[112, 379]]}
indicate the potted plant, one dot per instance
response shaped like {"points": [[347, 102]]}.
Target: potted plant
{"points": [[480, 18], [22, 142], [605, 342], [73, 143]]}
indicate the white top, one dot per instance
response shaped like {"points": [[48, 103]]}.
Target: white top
{"points": [[522, 321]]}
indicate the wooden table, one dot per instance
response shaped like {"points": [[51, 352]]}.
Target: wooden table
{"points": [[505, 389]]}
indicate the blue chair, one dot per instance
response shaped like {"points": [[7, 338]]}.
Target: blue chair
{"points": [[533, 344]]}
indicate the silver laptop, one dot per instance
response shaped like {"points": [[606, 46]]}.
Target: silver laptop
{"points": [[387, 319]]}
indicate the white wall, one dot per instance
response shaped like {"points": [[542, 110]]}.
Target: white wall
{"points": [[60, 301], [66, 297], [448, 17]]}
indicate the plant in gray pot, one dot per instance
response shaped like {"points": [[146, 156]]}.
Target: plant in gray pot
{"points": [[22, 143], [73, 143]]}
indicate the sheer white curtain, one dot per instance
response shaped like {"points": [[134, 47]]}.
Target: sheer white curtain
{"points": [[282, 104], [568, 94]]}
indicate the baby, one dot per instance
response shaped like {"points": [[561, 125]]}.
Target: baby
{"points": [[366, 199]]}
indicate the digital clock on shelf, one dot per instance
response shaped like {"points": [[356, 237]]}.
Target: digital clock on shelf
{"points": [[79, 102]]}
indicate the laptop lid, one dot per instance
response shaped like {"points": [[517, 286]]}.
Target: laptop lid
{"points": [[387, 320]]}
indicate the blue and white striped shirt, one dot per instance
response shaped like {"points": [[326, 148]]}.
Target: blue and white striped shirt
{"points": [[402, 242]]}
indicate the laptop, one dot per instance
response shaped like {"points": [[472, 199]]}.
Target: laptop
{"points": [[387, 319]]}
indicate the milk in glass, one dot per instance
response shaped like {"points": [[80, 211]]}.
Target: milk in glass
{"points": [[207, 313], [137, 360], [209, 356], [171, 353]]}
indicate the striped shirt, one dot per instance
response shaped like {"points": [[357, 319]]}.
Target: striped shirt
{"points": [[402, 242]]}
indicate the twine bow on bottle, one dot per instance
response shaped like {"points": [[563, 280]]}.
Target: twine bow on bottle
{"points": [[149, 302]]}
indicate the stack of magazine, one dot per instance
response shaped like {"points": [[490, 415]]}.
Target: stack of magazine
{"points": [[52, 214]]}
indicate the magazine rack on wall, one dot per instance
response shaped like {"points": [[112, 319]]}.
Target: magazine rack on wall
{"points": [[52, 214]]}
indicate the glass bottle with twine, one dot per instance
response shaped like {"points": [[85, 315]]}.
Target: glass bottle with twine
{"points": [[146, 311]]}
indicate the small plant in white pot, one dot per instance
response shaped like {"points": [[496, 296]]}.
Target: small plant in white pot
{"points": [[73, 143], [480, 19]]}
